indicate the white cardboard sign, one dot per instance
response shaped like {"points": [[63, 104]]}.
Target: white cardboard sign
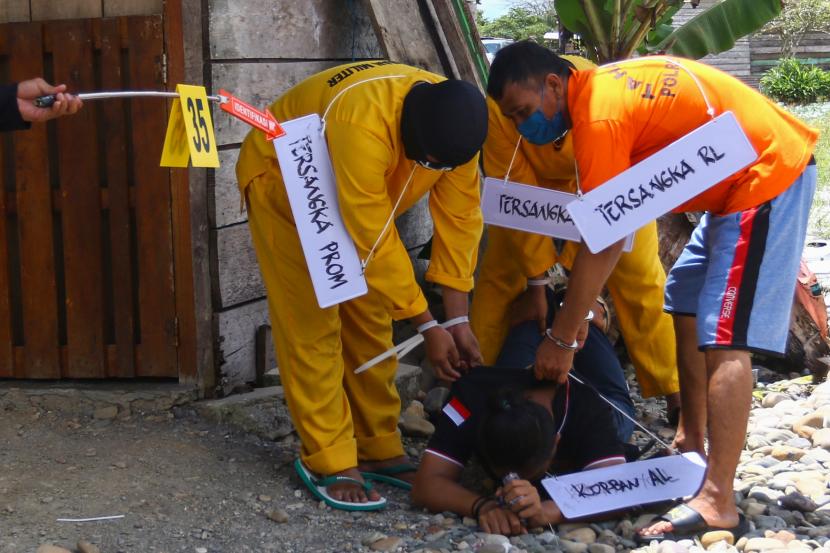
{"points": [[330, 253], [531, 209], [662, 181], [626, 485]]}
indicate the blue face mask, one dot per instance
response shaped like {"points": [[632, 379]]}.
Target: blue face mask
{"points": [[540, 130]]}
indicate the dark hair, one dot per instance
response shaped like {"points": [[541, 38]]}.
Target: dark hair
{"points": [[523, 61], [515, 433]]}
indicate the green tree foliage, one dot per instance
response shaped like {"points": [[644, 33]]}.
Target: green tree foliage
{"points": [[529, 19], [615, 29], [798, 18]]}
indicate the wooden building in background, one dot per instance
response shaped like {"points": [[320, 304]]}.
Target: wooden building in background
{"points": [[113, 267]]}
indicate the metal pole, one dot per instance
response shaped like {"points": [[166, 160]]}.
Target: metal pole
{"points": [[49, 100]]}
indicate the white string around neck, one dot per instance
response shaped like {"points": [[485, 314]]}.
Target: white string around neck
{"points": [[339, 94], [365, 262]]}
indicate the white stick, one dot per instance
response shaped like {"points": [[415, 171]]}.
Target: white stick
{"points": [[93, 519]]}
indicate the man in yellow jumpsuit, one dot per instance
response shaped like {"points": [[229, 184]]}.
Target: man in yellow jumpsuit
{"points": [[513, 258], [395, 133]]}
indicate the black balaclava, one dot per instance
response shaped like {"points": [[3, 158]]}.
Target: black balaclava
{"points": [[446, 120]]}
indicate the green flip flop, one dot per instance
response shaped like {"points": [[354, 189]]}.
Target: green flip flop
{"points": [[317, 486], [387, 475]]}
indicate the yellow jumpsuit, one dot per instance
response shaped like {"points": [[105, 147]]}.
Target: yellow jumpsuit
{"points": [[342, 417], [511, 256]]}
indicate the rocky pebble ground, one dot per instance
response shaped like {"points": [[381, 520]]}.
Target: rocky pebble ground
{"points": [[244, 496], [781, 487]]}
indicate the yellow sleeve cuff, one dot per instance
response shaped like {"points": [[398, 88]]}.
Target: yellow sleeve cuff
{"points": [[456, 283], [532, 270], [415, 308]]}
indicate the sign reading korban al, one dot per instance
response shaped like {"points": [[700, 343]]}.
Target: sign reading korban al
{"points": [[626, 485], [663, 181], [329, 251], [531, 209]]}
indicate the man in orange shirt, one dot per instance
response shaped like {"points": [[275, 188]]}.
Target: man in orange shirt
{"points": [[725, 292]]}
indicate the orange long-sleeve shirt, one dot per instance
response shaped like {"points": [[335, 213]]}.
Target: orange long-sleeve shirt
{"points": [[622, 113]]}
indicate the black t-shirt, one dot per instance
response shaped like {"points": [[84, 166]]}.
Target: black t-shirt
{"points": [[588, 437]]}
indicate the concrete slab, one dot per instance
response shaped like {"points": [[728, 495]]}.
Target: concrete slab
{"points": [[95, 399]]}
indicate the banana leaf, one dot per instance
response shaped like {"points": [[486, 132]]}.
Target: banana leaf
{"points": [[572, 16], [716, 29]]}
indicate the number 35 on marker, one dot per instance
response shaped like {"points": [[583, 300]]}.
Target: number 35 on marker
{"points": [[190, 130]]}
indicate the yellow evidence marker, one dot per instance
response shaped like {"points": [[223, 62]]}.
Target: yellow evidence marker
{"points": [[190, 130]]}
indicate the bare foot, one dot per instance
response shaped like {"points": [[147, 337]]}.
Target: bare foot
{"points": [[724, 516], [346, 491], [372, 466]]}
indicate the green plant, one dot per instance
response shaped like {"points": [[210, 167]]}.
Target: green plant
{"points": [[795, 82], [615, 29]]}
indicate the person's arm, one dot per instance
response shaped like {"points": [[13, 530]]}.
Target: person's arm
{"points": [[27, 91], [455, 206], [587, 279], [438, 489], [456, 304], [602, 150], [360, 159]]}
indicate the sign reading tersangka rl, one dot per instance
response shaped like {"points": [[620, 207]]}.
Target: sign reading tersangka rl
{"points": [[662, 182]]}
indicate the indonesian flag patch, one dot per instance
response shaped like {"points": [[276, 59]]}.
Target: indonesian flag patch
{"points": [[456, 411]]}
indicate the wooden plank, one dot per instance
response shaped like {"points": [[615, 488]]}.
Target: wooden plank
{"points": [[190, 16], [239, 277], [115, 8], [65, 9], [314, 29], [452, 37], [182, 236], [802, 49], [236, 342], [114, 141], [402, 34], [12, 11], [6, 335], [80, 203], [156, 298], [259, 84], [34, 208], [225, 192]]}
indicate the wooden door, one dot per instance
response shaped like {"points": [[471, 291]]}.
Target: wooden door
{"points": [[87, 287]]}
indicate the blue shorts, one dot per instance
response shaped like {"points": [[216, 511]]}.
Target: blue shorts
{"points": [[737, 273]]}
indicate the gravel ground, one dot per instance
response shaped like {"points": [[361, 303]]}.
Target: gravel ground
{"points": [[185, 484]]}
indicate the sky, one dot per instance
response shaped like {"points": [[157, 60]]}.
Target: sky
{"points": [[495, 8]]}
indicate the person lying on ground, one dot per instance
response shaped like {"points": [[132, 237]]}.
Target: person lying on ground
{"points": [[514, 424]]}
